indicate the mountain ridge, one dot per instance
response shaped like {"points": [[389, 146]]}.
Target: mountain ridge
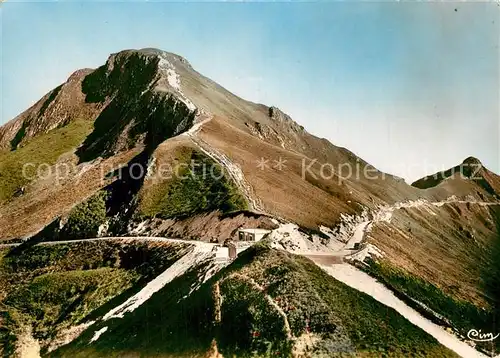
{"points": [[140, 98], [133, 104], [11, 129], [471, 170]]}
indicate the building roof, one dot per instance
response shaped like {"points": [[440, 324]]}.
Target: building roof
{"points": [[255, 231]]}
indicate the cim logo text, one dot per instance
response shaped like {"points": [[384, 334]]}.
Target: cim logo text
{"points": [[478, 336]]}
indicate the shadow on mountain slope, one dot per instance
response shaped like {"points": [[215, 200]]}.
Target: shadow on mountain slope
{"points": [[135, 113]]}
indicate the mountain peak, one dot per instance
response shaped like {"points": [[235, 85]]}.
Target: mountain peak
{"points": [[471, 169], [154, 52], [472, 161]]}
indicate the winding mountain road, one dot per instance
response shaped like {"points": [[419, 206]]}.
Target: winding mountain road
{"points": [[361, 281], [385, 214]]}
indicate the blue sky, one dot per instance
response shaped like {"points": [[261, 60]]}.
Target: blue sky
{"points": [[410, 87]]}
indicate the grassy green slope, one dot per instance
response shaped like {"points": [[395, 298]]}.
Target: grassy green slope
{"points": [[52, 287], [194, 185], [45, 148], [254, 295], [62, 298], [460, 314]]}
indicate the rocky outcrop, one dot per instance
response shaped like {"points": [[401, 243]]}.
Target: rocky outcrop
{"points": [[139, 108], [280, 129], [284, 120]]}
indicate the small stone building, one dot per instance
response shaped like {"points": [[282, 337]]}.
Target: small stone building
{"points": [[252, 235]]}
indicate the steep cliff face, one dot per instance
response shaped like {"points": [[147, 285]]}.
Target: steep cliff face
{"points": [[143, 102]]}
